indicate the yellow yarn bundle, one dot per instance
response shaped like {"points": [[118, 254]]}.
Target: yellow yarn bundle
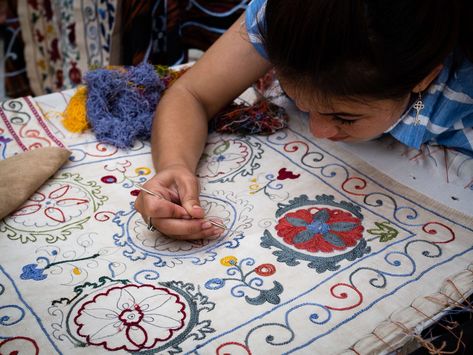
{"points": [[75, 115]]}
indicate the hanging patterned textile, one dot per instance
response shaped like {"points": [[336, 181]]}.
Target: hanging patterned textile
{"points": [[63, 38]]}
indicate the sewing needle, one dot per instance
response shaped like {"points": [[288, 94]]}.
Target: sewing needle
{"points": [[214, 223]]}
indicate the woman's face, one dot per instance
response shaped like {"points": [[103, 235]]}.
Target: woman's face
{"points": [[348, 120]]}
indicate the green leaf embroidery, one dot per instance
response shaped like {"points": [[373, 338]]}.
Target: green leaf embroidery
{"points": [[384, 231]]}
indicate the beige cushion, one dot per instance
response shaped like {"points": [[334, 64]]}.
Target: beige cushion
{"points": [[23, 174]]}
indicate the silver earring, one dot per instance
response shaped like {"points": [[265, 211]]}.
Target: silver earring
{"points": [[418, 106]]}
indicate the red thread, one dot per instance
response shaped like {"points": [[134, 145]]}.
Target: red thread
{"points": [[232, 343], [103, 216], [262, 117], [291, 147], [265, 269], [344, 295], [434, 232], [357, 187], [9, 340]]}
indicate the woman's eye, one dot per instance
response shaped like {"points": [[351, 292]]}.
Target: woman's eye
{"points": [[343, 120]]}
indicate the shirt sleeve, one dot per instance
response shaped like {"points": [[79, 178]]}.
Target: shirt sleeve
{"points": [[255, 19]]}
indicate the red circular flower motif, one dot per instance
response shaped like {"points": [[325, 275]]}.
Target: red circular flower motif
{"points": [[326, 231], [265, 269], [109, 179]]}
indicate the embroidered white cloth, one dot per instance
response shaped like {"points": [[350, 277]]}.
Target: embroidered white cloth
{"points": [[325, 253]]}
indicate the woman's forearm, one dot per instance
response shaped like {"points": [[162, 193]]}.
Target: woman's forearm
{"points": [[224, 71], [179, 130]]}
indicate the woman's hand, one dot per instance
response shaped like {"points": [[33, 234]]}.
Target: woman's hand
{"points": [[180, 130], [177, 213]]}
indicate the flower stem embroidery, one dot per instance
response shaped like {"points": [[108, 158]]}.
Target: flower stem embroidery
{"points": [[243, 280]]}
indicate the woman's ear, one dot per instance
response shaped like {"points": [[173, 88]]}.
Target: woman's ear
{"points": [[424, 84]]}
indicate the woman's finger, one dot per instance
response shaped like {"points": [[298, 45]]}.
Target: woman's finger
{"points": [[188, 188], [186, 229], [151, 206]]}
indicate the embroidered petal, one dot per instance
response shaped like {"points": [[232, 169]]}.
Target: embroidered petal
{"points": [[26, 210], [334, 240], [59, 192], [55, 214], [297, 222], [106, 331], [213, 167], [126, 300], [321, 216], [156, 301], [231, 157], [66, 202], [222, 147], [162, 321], [342, 226], [136, 335], [303, 236], [102, 313], [37, 197]]}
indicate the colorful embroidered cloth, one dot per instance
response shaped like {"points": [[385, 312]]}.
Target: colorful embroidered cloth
{"points": [[324, 253], [63, 38], [22, 128]]}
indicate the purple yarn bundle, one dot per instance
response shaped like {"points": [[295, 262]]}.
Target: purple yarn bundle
{"points": [[121, 103]]}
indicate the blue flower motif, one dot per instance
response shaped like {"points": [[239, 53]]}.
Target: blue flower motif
{"points": [[32, 272], [214, 284], [326, 230], [319, 225]]}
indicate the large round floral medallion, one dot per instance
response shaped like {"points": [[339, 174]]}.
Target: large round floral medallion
{"points": [[321, 231], [131, 317], [140, 243], [325, 230], [63, 204], [225, 159]]}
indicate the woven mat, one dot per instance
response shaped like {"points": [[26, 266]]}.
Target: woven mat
{"points": [[324, 254]]}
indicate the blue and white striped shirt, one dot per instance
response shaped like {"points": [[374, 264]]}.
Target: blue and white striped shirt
{"points": [[447, 116]]}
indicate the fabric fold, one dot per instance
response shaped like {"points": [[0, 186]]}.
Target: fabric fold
{"points": [[23, 174]]}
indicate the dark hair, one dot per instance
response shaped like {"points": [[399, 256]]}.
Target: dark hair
{"points": [[364, 48]]}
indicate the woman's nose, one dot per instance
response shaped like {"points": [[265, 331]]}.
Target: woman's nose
{"points": [[322, 126]]}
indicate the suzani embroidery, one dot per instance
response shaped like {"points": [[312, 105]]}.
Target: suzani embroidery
{"points": [[271, 185], [246, 282], [318, 244], [383, 231], [224, 160], [324, 233], [56, 262], [139, 243], [133, 316], [326, 230], [62, 205]]}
